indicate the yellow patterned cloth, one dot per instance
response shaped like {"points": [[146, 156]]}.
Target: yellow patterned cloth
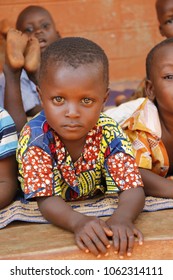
{"points": [[144, 131], [46, 168]]}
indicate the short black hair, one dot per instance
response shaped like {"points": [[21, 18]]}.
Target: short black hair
{"points": [[74, 51], [30, 9], [151, 54]]}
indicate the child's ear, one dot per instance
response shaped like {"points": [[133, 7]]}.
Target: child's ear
{"points": [[58, 35], [161, 31], [149, 90], [39, 94], [106, 95]]}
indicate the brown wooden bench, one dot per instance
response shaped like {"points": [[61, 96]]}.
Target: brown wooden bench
{"points": [[44, 241]]}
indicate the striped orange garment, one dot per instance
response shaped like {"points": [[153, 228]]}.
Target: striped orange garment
{"points": [[144, 131]]}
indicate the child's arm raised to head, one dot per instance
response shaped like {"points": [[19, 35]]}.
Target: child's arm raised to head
{"points": [[131, 203], [13, 101], [12, 98], [90, 232], [14, 62], [21, 53], [8, 180]]}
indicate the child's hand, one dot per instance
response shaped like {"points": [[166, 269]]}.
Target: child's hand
{"points": [[124, 237], [91, 235]]}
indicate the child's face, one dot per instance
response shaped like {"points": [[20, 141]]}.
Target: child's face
{"points": [[73, 99], [40, 25], [162, 78], [165, 16]]}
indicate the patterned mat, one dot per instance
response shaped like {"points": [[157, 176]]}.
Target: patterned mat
{"points": [[22, 210]]}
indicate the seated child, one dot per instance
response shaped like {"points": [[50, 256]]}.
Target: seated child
{"points": [[164, 11], [8, 164], [150, 128], [72, 151], [37, 30]]}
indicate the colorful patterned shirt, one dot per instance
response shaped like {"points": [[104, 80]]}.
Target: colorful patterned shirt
{"points": [[8, 135], [144, 131], [46, 168]]}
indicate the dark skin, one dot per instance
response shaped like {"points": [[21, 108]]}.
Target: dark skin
{"points": [[72, 106], [8, 180], [37, 24], [13, 102], [159, 88], [93, 234], [162, 80], [164, 10]]}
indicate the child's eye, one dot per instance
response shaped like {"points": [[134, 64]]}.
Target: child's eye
{"points": [[169, 21], [58, 100], [28, 29], [45, 25], [168, 77], [87, 101]]}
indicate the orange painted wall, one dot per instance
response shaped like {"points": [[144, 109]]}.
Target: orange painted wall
{"points": [[126, 29]]}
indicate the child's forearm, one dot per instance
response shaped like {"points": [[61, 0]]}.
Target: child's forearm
{"points": [[8, 180], [8, 191], [156, 185], [131, 203], [58, 212], [13, 98]]}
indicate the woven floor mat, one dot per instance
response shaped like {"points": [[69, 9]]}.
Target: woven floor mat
{"points": [[22, 210]]}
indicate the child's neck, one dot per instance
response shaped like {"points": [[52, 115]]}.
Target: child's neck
{"points": [[166, 121], [75, 148], [167, 136]]}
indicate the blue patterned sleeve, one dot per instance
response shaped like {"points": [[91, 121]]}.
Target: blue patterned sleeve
{"points": [[8, 135]]}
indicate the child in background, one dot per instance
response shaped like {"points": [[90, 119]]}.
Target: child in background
{"points": [[8, 165], [150, 128], [164, 11], [37, 29], [73, 151]]}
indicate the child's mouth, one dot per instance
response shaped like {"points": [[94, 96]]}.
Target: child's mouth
{"points": [[42, 43]]}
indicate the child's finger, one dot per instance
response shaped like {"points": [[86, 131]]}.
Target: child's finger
{"points": [[100, 239], [81, 245], [85, 242], [116, 241], [139, 235], [122, 243], [106, 229], [131, 241]]}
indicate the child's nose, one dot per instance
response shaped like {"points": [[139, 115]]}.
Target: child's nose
{"points": [[37, 30], [72, 111]]}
